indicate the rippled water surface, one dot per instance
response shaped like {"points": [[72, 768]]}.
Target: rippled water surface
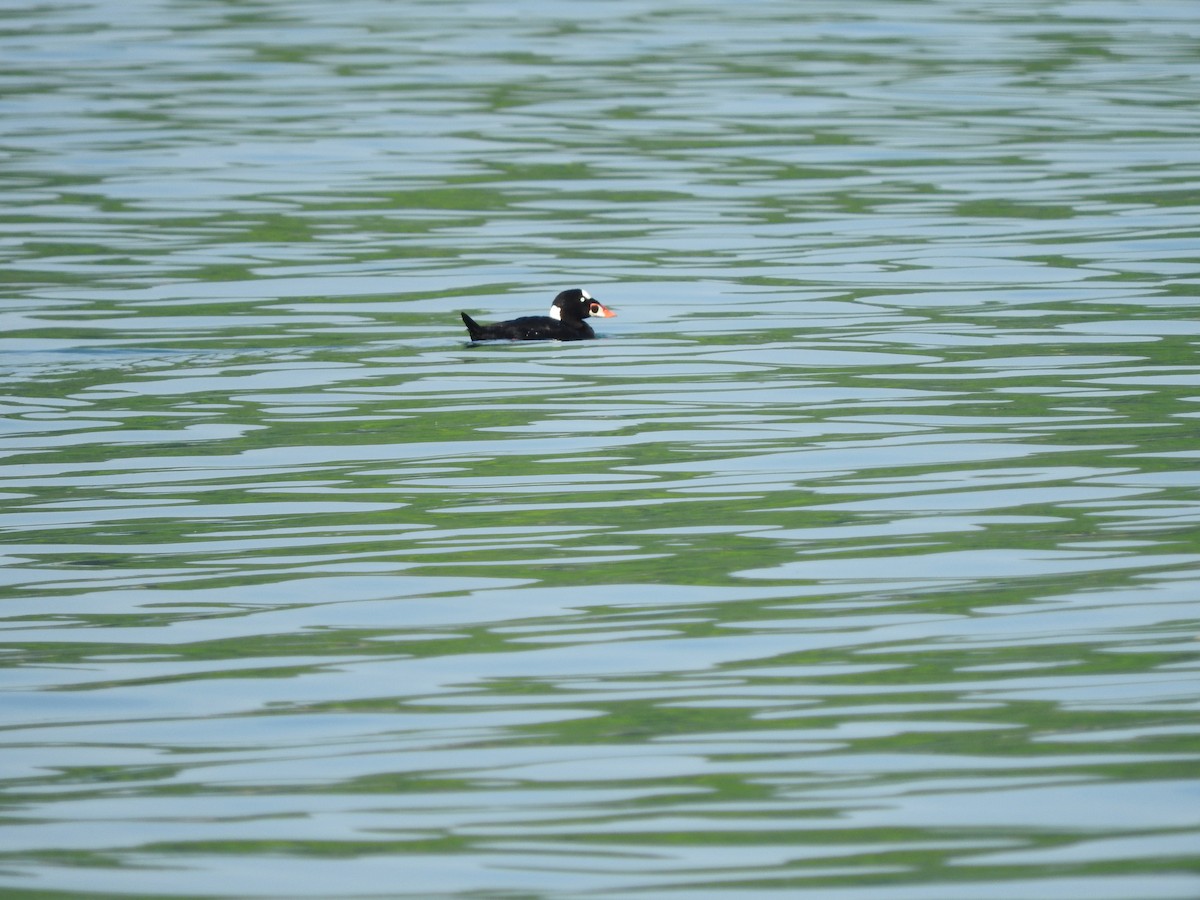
{"points": [[858, 560]]}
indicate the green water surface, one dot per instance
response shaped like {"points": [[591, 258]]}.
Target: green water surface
{"points": [[856, 560]]}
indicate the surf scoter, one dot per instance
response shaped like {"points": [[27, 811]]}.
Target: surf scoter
{"points": [[565, 322]]}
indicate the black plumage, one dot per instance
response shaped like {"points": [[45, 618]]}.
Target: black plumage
{"points": [[565, 322]]}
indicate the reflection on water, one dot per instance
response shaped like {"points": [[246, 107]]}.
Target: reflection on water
{"points": [[856, 560]]}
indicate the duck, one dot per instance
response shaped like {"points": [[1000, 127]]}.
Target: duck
{"points": [[564, 323]]}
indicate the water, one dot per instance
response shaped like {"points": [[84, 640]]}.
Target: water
{"points": [[858, 559]]}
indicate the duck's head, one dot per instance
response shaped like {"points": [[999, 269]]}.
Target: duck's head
{"points": [[576, 305]]}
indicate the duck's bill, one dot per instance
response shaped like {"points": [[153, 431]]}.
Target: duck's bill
{"points": [[600, 310]]}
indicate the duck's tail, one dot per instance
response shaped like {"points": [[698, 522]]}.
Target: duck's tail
{"points": [[473, 327]]}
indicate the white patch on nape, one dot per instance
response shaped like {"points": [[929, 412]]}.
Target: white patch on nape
{"points": [[555, 312], [586, 295]]}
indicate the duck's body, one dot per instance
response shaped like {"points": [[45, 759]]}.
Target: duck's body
{"points": [[529, 328], [565, 322]]}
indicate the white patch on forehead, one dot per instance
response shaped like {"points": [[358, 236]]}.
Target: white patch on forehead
{"points": [[555, 312], [587, 296]]}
